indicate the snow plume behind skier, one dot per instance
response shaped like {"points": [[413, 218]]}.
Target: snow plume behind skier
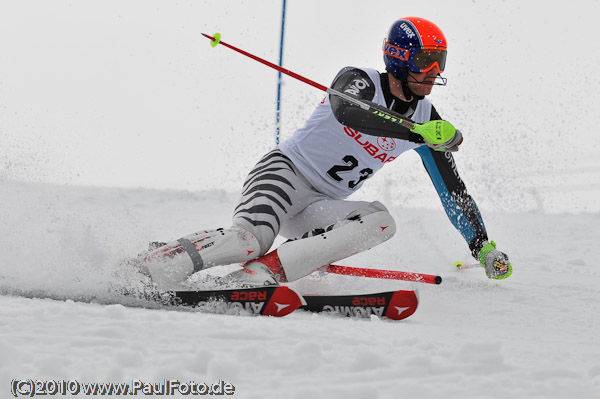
{"points": [[299, 189]]}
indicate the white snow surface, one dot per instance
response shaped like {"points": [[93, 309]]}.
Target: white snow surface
{"points": [[534, 335], [114, 115]]}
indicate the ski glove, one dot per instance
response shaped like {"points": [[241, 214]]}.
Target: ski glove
{"points": [[496, 263], [450, 145]]}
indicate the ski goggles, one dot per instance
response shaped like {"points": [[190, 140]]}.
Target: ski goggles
{"points": [[423, 60], [418, 59]]}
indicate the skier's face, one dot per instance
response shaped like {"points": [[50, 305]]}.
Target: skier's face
{"points": [[422, 83]]}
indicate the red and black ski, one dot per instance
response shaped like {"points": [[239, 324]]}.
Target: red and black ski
{"points": [[281, 301], [394, 305]]}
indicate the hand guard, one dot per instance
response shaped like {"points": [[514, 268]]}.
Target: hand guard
{"points": [[450, 145], [439, 135], [496, 263]]}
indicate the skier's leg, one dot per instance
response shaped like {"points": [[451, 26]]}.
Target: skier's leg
{"points": [[173, 262], [368, 225], [273, 192], [324, 213]]}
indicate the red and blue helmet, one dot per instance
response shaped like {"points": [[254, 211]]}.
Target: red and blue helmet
{"points": [[414, 44]]}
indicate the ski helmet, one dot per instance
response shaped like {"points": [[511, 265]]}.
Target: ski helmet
{"points": [[414, 44]]}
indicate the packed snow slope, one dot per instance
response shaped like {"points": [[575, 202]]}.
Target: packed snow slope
{"points": [[120, 125], [534, 335]]}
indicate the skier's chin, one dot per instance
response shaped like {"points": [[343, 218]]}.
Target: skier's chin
{"points": [[421, 89]]}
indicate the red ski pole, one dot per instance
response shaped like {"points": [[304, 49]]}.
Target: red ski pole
{"points": [[217, 40], [377, 110], [384, 274], [433, 131]]}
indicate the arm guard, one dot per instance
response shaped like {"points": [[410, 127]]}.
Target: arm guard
{"points": [[357, 83], [458, 204]]}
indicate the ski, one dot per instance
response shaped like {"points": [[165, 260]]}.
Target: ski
{"points": [[276, 301], [281, 301], [393, 305]]}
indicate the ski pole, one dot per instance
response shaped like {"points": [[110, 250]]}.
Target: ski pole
{"points": [[464, 266], [430, 129], [383, 274]]}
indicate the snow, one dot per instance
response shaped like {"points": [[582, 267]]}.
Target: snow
{"points": [[120, 125], [533, 335]]}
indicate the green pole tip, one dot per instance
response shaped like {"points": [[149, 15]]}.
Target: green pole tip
{"points": [[217, 37]]}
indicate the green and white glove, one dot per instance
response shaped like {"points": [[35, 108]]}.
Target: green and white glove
{"points": [[496, 263], [439, 135]]}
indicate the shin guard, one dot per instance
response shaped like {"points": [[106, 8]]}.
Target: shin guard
{"points": [[298, 258]]}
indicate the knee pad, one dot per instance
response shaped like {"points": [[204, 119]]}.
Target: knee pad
{"points": [[262, 233], [370, 208], [373, 207]]}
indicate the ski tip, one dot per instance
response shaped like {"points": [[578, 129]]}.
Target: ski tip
{"points": [[283, 302], [402, 305]]}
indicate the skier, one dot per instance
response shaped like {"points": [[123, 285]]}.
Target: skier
{"points": [[299, 190]]}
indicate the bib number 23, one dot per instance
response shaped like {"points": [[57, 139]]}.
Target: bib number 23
{"points": [[350, 163]]}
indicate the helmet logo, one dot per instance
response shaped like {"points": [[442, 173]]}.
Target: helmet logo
{"points": [[407, 29], [438, 41], [394, 51]]}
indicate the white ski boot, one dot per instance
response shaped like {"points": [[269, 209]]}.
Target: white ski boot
{"points": [[172, 263], [253, 274]]}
